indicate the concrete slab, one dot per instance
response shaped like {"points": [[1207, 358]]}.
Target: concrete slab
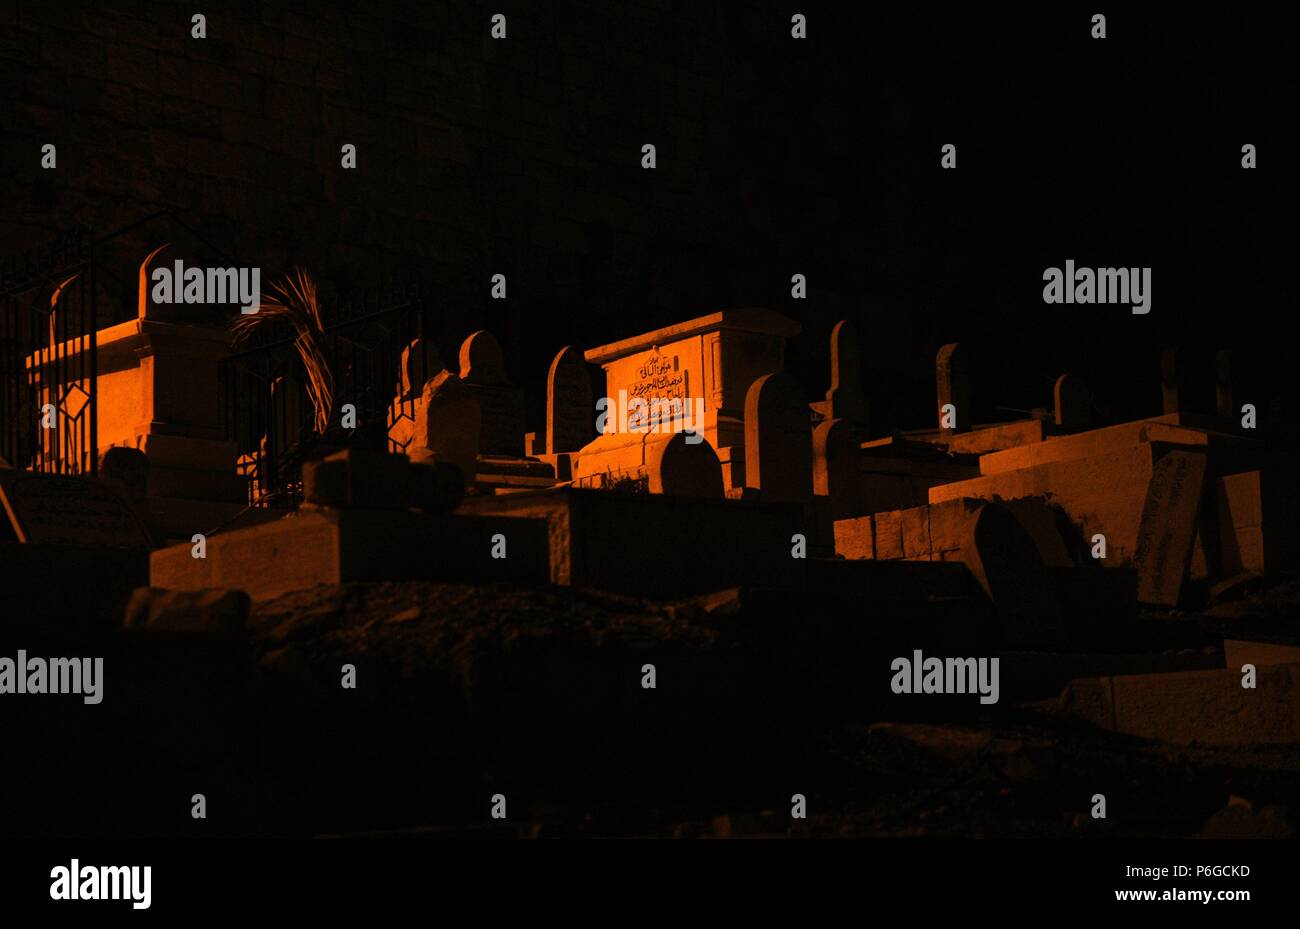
{"points": [[1206, 707], [329, 546], [1238, 652], [659, 545], [1101, 494]]}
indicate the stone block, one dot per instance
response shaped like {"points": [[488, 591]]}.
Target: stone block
{"points": [[336, 546], [1238, 652], [358, 478], [1205, 707], [658, 545], [889, 535], [854, 537]]}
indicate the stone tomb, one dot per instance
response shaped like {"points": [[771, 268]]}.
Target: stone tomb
{"points": [[712, 359], [158, 390], [657, 545]]}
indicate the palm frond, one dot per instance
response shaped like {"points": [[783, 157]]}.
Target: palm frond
{"points": [[294, 300]]}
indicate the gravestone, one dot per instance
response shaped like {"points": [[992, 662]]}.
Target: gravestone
{"points": [[66, 510], [1073, 404], [778, 440], [676, 466], [1167, 529], [447, 424], [846, 399], [1173, 380], [953, 387], [837, 468], [570, 409], [1223, 365], [649, 462], [420, 361], [126, 470], [501, 404]]}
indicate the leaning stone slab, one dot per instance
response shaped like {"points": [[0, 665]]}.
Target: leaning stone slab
{"points": [[1103, 494], [1167, 530], [65, 510]]}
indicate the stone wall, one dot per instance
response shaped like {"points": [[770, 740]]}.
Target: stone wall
{"points": [[474, 156]]}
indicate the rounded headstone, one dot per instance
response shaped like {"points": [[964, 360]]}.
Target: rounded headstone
{"points": [[686, 468], [481, 360]]}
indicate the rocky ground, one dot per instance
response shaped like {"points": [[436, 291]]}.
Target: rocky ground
{"points": [[536, 693]]}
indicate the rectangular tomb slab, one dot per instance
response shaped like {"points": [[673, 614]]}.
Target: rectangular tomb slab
{"points": [[1101, 494], [1238, 652], [658, 545], [1170, 429], [336, 546], [1144, 499], [1207, 707]]}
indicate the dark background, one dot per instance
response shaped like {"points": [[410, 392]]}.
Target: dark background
{"points": [[775, 156]]}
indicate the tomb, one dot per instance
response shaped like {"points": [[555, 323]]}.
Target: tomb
{"points": [[382, 539], [712, 359], [157, 389], [656, 545]]}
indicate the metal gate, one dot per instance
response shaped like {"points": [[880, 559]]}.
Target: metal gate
{"points": [[48, 359]]}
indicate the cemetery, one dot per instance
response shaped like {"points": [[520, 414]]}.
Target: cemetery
{"points": [[760, 546]]}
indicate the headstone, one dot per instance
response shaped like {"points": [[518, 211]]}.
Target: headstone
{"points": [[689, 469], [501, 404], [570, 409], [420, 361], [1223, 385], [778, 440], [126, 470], [649, 462], [447, 424], [1173, 378], [67, 510], [837, 468], [846, 399], [953, 388], [1073, 404], [1167, 529]]}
